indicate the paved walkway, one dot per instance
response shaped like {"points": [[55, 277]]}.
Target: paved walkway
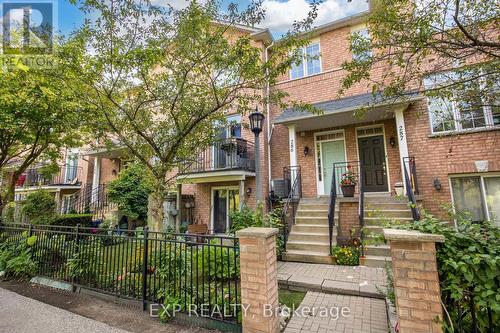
{"points": [[345, 280], [343, 314], [20, 314]]}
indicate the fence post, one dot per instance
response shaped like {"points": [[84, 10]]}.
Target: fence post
{"points": [[145, 269], [30, 230], [416, 280], [77, 249], [259, 280]]}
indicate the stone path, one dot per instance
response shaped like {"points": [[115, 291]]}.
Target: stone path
{"points": [[345, 280], [321, 313]]}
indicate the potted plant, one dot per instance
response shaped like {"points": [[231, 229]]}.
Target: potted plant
{"points": [[348, 182]]}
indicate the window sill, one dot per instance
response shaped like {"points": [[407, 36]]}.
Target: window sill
{"points": [[462, 132]]}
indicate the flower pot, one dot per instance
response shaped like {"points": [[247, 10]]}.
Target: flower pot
{"points": [[348, 190], [362, 261]]}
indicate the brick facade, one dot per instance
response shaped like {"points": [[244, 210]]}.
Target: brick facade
{"points": [[348, 222]]}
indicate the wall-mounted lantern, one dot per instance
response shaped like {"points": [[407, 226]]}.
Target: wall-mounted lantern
{"points": [[437, 184], [392, 141], [306, 150]]}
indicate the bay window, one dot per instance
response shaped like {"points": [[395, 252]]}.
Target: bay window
{"points": [[309, 64]]}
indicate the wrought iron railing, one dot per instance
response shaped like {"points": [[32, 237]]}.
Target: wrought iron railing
{"points": [[338, 170], [227, 154], [88, 199], [67, 175], [411, 186], [361, 210], [185, 271], [293, 183]]}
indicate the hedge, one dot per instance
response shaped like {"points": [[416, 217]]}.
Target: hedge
{"points": [[85, 220]]}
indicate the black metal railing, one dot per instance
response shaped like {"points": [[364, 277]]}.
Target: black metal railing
{"points": [[293, 183], [89, 199], [338, 170], [227, 154], [188, 272], [67, 175], [411, 186], [361, 210]]}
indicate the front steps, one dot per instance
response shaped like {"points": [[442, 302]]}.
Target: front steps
{"points": [[378, 212], [309, 240]]}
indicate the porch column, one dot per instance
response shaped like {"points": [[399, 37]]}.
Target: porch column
{"points": [[402, 144], [292, 145], [95, 178], [178, 204], [242, 193]]}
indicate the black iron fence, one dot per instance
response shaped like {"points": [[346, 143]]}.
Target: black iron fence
{"points": [[227, 154], [293, 187], [67, 175], [411, 185], [187, 272]]}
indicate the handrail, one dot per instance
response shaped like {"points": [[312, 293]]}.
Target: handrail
{"points": [[410, 186], [361, 209], [331, 207], [294, 193]]}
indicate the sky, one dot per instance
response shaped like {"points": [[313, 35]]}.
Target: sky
{"points": [[280, 14]]}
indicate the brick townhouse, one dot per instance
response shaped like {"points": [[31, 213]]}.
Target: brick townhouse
{"points": [[410, 145]]}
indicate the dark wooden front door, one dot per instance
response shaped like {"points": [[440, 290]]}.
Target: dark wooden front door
{"points": [[372, 160]]}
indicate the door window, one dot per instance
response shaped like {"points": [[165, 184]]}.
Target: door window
{"points": [[224, 202], [492, 188]]}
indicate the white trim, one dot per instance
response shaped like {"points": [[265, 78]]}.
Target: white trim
{"points": [[214, 176], [304, 63], [292, 145], [402, 143], [320, 186], [212, 192], [387, 171]]}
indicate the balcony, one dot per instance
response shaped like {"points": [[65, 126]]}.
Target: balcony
{"points": [[66, 176], [229, 157]]}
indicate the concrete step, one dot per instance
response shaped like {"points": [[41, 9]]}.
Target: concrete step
{"points": [[386, 205], [318, 247], [376, 261], [303, 205], [308, 236], [382, 250], [388, 213], [311, 212], [312, 228], [378, 221], [319, 200], [311, 220], [307, 257], [382, 198]]}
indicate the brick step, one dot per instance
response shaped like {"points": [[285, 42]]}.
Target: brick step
{"points": [[318, 247], [308, 237], [311, 220], [307, 257], [376, 261], [312, 212], [388, 213], [311, 228], [378, 250]]}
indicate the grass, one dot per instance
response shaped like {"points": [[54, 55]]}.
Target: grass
{"points": [[291, 299]]}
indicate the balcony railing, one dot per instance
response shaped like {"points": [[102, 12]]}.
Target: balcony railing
{"points": [[227, 154], [67, 175]]}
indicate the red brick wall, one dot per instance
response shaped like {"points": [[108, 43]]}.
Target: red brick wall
{"points": [[348, 220], [439, 157]]}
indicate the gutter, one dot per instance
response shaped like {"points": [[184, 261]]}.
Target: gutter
{"points": [[269, 131]]}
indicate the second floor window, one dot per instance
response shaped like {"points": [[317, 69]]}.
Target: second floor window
{"points": [[310, 63], [361, 42], [456, 114]]}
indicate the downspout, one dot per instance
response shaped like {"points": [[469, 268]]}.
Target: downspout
{"points": [[269, 131]]}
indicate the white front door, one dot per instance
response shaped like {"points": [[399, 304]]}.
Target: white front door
{"points": [[330, 149]]}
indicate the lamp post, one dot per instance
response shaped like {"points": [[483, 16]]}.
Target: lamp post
{"points": [[256, 123]]}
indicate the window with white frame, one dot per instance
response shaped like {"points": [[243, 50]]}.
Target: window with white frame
{"points": [[310, 63], [363, 37], [478, 195], [454, 114]]}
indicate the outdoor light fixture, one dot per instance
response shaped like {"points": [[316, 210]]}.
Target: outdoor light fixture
{"points": [[392, 141], [306, 151], [256, 124], [437, 184], [256, 121]]}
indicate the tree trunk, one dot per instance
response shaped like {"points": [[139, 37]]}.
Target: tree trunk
{"points": [[155, 210]]}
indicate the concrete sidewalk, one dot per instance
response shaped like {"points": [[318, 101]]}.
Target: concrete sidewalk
{"points": [[21, 314], [333, 279]]}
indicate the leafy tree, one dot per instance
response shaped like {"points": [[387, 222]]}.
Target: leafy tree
{"points": [[130, 191], [411, 39], [39, 115], [40, 207], [161, 78]]}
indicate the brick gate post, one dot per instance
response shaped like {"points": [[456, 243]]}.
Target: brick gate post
{"points": [[259, 279], [416, 280]]}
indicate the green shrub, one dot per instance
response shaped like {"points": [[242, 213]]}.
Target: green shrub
{"points": [[468, 265], [85, 220], [346, 255], [16, 259], [39, 207], [85, 265], [218, 262]]}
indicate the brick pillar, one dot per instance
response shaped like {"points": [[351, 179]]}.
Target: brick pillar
{"points": [[259, 279], [416, 280]]}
